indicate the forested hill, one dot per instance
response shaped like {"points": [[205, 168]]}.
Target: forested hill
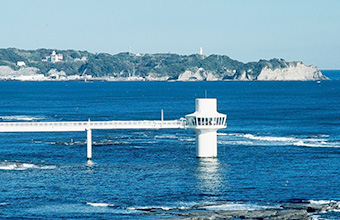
{"points": [[163, 66]]}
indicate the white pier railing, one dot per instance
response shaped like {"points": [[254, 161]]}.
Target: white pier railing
{"points": [[85, 125], [88, 126]]}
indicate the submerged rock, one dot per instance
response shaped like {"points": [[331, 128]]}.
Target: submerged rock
{"points": [[268, 214], [304, 210]]}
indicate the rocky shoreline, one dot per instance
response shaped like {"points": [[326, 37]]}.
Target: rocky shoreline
{"points": [[298, 210]]}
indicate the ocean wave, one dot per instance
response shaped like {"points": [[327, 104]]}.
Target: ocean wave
{"points": [[237, 143], [317, 144], [188, 139], [231, 206], [165, 136], [175, 137], [222, 134], [193, 207], [160, 209], [326, 206], [251, 139], [21, 118], [23, 166], [100, 204], [110, 208], [321, 202]]}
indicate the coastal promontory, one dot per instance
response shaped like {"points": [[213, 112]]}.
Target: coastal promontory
{"points": [[49, 64]]}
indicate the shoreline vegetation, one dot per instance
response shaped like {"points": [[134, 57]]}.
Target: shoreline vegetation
{"points": [[73, 65]]}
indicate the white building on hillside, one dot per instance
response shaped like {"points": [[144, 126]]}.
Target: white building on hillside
{"points": [[21, 63], [54, 57]]}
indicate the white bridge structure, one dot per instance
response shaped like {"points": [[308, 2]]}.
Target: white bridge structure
{"points": [[205, 121]]}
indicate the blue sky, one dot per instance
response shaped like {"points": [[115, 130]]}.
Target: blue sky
{"points": [[245, 30]]}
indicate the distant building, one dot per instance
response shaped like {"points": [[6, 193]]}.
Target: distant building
{"points": [[21, 63], [201, 51], [54, 57]]}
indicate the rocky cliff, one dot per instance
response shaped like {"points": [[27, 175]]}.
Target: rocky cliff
{"points": [[291, 72]]}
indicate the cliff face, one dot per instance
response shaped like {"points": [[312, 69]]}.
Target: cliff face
{"points": [[16, 64], [199, 75], [292, 72]]}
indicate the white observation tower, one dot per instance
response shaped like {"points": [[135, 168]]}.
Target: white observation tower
{"points": [[206, 121]]}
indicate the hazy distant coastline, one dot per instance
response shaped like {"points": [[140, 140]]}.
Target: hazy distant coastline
{"points": [[66, 65]]}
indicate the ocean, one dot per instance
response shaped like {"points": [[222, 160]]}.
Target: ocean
{"points": [[282, 145]]}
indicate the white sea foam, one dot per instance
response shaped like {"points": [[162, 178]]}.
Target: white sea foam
{"points": [[23, 166], [165, 136], [236, 206], [222, 134], [269, 138], [251, 139], [186, 139], [21, 118], [159, 208], [327, 205], [237, 143], [321, 202], [166, 208], [100, 204], [308, 143]]}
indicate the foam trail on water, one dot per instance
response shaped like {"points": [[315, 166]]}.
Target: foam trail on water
{"points": [[236, 206], [317, 144], [23, 166], [165, 136], [21, 118], [251, 139], [100, 204]]}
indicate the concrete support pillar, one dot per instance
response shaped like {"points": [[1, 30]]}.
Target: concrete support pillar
{"points": [[206, 143], [89, 144]]}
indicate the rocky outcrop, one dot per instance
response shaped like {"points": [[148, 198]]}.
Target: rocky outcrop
{"points": [[199, 75], [286, 71], [22, 74], [297, 72], [303, 210]]}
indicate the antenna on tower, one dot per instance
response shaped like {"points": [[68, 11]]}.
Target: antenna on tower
{"points": [[129, 49], [201, 51]]}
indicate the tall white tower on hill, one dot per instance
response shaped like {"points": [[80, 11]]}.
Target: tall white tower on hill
{"points": [[206, 121], [201, 51]]}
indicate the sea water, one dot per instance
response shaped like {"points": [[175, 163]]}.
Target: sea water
{"points": [[282, 145]]}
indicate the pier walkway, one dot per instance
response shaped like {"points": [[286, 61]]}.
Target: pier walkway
{"points": [[88, 126], [64, 126]]}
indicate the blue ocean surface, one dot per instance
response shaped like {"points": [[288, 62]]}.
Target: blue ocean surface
{"points": [[282, 145]]}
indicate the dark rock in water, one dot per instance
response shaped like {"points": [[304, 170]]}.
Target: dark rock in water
{"points": [[305, 210], [268, 214], [295, 200], [311, 210], [289, 211]]}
